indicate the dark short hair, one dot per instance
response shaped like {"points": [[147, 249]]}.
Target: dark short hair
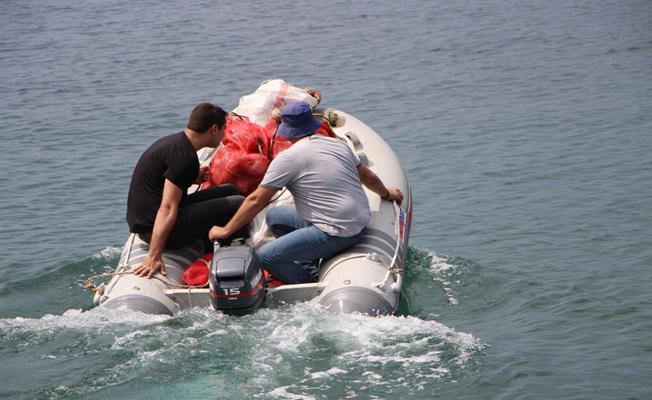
{"points": [[204, 115]]}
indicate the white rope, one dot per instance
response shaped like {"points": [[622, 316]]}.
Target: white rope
{"points": [[132, 238], [397, 221], [90, 282]]}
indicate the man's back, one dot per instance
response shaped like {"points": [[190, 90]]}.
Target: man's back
{"points": [[171, 157], [322, 175]]}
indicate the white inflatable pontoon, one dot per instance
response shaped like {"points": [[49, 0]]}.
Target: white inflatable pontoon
{"points": [[366, 278]]}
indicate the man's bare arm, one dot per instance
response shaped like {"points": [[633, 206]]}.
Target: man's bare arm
{"points": [[166, 217], [376, 185]]}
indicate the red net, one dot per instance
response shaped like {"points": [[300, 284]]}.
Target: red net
{"points": [[244, 155]]}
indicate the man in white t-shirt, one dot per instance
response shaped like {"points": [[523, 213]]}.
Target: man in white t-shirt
{"points": [[331, 209]]}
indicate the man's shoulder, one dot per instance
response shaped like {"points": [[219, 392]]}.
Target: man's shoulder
{"points": [[313, 142], [165, 142], [175, 144], [174, 139], [305, 149], [282, 158], [326, 141]]}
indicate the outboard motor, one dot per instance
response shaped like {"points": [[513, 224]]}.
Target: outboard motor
{"points": [[236, 282]]}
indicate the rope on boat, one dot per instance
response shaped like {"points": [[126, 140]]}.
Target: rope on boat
{"points": [[90, 282], [393, 268], [398, 241], [128, 258], [331, 117], [278, 196], [270, 152]]}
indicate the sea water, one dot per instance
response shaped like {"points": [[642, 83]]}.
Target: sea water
{"points": [[525, 129]]}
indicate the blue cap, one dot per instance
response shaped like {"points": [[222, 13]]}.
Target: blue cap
{"points": [[297, 120]]}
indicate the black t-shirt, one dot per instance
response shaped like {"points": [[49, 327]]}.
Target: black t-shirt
{"points": [[172, 157]]}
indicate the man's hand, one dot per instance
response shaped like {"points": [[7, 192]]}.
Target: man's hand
{"points": [[150, 267], [251, 206], [204, 174], [166, 216], [394, 195], [314, 93], [373, 183], [217, 232]]}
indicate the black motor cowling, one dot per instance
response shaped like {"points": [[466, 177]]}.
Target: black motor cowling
{"points": [[236, 280]]}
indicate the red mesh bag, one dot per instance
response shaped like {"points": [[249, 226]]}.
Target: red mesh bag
{"points": [[244, 155], [197, 273]]}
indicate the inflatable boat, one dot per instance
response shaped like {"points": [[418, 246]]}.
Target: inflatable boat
{"points": [[366, 278]]}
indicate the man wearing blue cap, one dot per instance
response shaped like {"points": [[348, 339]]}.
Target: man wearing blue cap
{"points": [[331, 209]]}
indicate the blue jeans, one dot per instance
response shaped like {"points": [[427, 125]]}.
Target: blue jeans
{"points": [[294, 256]]}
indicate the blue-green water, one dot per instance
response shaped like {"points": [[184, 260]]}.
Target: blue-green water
{"points": [[526, 131]]}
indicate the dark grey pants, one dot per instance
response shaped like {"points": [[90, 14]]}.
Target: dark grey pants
{"points": [[201, 210]]}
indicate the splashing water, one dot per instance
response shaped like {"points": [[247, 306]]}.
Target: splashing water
{"points": [[300, 350]]}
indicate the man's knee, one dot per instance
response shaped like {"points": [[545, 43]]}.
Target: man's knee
{"points": [[284, 215], [229, 189], [266, 255], [270, 217], [236, 201]]}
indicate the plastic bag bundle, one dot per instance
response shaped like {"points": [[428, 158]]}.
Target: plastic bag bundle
{"points": [[271, 94]]}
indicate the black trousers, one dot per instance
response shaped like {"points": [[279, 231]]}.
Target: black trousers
{"points": [[201, 210]]}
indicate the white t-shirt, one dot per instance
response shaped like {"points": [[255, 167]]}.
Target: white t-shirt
{"points": [[322, 175]]}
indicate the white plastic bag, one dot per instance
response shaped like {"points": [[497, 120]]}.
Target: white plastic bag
{"points": [[271, 94]]}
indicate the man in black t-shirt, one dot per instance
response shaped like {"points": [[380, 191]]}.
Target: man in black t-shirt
{"points": [[159, 210]]}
